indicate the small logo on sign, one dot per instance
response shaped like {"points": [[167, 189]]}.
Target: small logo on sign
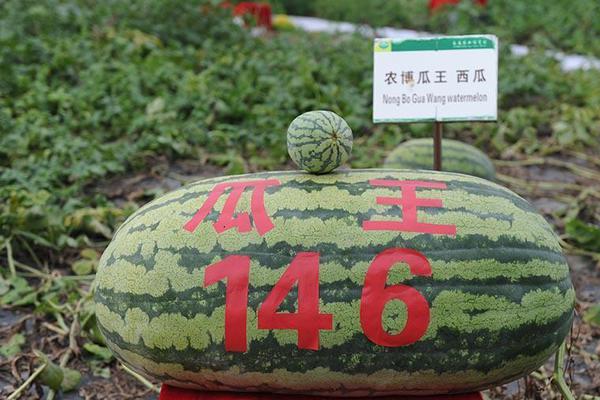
{"points": [[383, 45]]}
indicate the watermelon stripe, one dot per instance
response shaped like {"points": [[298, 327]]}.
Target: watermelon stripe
{"points": [[487, 363], [184, 275], [502, 249], [340, 178], [340, 213], [499, 252], [415, 155], [456, 311], [184, 303], [177, 336], [323, 380], [465, 166], [311, 141], [349, 236], [425, 145], [476, 189], [450, 204]]}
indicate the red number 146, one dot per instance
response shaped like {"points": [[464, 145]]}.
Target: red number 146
{"points": [[308, 321]]}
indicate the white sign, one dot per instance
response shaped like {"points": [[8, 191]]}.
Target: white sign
{"points": [[452, 78]]}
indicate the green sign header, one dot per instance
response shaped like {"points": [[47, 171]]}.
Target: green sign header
{"points": [[435, 44]]}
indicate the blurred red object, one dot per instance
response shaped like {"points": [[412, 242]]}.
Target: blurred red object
{"points": [[261, 12], [172, 393], [435, 4]]}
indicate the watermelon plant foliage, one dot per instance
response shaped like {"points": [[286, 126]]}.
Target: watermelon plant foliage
{"points": [[93, 92]]}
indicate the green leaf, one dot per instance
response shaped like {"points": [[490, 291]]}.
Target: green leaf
{"points": [[20, 293], [585, 235], [29, 298], [97, 226], [155, 106], [100, 352], [99, 369], [236, 166], [592, 315], [37, 239], [4, 286], [94, 332], [13, 346], [89, 254], [55, 377], [83, 266], [72, 379]]}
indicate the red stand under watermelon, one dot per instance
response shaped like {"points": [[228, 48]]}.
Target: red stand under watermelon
{"points": [[173, 393]]}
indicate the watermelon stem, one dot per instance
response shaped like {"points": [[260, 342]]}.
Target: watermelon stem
{"points": [[140, 378], [11, 260], [558, 377]]}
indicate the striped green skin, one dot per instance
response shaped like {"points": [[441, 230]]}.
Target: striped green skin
{"points": [[456, 157], [319, 141], [500, 295]]}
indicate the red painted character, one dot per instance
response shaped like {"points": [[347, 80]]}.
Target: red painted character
{"points": [[241, 221], [376, 294], [409, 203]]}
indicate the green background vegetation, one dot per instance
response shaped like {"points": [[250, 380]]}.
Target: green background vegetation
{"points": [[92, 92], [570, 26]]}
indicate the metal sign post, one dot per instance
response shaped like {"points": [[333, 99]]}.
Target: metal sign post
{"points": [[437, 146]]}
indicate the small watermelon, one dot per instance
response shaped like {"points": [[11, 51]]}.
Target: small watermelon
{"points": [[188, 274], [456, 157], [319, 141]]}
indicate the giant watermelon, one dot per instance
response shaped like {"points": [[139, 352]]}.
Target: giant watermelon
{"points": [[456, 157], [366, 282]]}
